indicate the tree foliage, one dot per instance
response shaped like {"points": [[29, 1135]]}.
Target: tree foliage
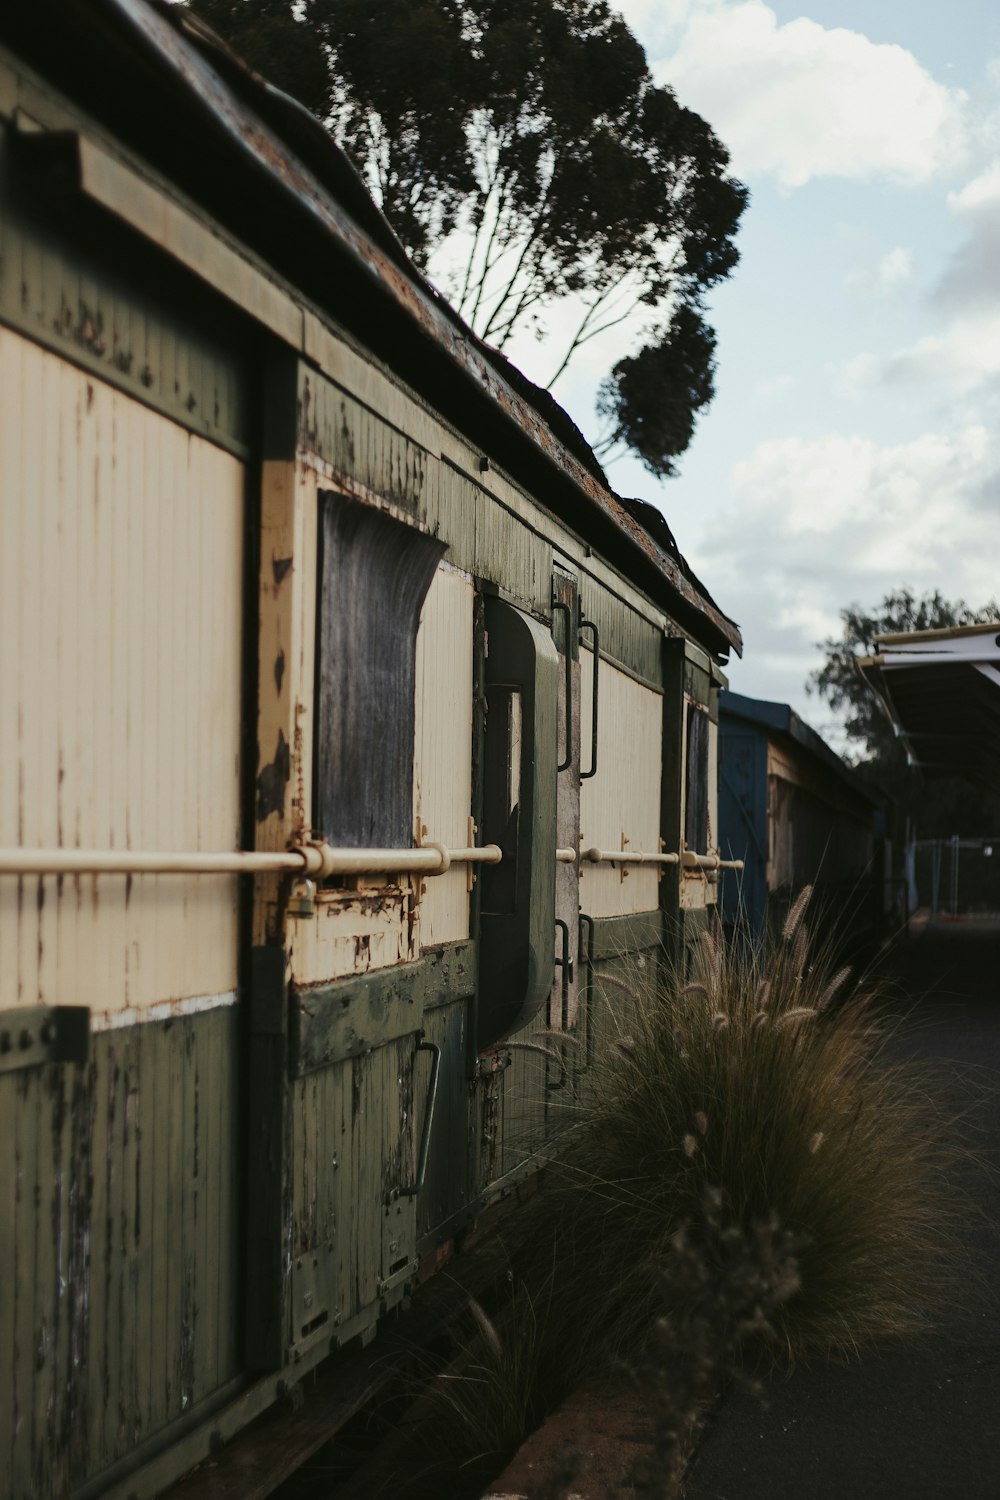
{"points": [[651, 399], [525, 158], [937, 809]]}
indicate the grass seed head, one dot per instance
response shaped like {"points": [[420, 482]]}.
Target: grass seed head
{"points": [[796, 912]]}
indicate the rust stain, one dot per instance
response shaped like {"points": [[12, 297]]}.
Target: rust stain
{"points": [[89, 330], [279, 671], [272, 781], [281, 567]]}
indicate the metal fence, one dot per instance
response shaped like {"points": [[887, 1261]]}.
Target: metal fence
{"points": [[957, 876]]}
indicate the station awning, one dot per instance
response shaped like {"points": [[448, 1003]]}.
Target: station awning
{"points": [[941, 689]]}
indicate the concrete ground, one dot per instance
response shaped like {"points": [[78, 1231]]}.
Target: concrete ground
{"points": [[918, 1422]]}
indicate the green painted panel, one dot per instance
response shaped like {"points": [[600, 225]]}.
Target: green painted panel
{"points": [[615, 937], [268, 1148], [447, 1185], [9, 1100], [20, 1437], [34, 1035], [352, 1016], [512, 1104], [508, 554], [64, 295], [352, 1145], [627, 638], [117, 1248], [360, 445], [490, 542], [697, 683], [691, 925]]}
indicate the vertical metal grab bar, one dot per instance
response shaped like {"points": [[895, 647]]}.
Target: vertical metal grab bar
{"points": [[589, 625], [588, 994], [564, 765], [425, 1137], [565, 963]]}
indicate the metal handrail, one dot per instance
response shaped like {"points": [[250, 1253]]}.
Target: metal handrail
{"points": [[317, 859], [627, 857], [692, 861]]}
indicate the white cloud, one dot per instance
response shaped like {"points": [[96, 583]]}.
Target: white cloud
{"points": [[800, 101], [982, 193], [895, 267], [815, 525], [971, 280], [892, 271]]}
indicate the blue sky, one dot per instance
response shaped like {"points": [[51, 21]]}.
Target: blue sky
{"points": [[854, 442]]}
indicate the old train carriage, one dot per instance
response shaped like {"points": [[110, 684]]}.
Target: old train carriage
{"points": [[795, 814], [349, 727]]}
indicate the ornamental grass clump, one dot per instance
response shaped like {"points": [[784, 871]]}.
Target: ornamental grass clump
{"points": [[763, 1078], [745, 1175]]}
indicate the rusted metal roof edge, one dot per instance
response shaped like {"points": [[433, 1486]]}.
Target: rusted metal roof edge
{"points": [[405, 288]]}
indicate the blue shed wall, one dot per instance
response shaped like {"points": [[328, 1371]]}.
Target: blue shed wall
{"points": [[743, 819]]}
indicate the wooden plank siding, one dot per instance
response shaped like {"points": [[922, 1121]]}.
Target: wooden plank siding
{"points": [[63, 297], [620, 806], [351, 1142], [123, 1264], [629, 640], [120, 575], [121, 554]]}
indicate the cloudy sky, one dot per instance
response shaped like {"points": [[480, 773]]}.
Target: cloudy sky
{"points": [[854, 442]]}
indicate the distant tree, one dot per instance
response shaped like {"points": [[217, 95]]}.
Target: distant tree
{"points": [[939, 806], [524, 156]]}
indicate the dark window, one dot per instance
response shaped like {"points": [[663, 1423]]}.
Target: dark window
{"points": [[696, 789], [374, 573]]}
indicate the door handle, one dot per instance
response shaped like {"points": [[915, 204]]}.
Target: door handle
{"points": [[425, 1135], [589, 625], [564, 765]]}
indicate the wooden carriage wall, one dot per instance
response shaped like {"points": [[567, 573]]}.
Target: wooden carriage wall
{"points": [[307, 602]]}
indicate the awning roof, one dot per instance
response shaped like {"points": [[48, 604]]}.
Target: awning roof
{"points": [[941, 689]]}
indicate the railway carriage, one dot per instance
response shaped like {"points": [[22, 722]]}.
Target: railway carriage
{"points": [[352, 731], [795, 814]]}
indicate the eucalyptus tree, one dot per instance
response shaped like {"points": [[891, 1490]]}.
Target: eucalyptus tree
{"points": [[532, 167]]}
